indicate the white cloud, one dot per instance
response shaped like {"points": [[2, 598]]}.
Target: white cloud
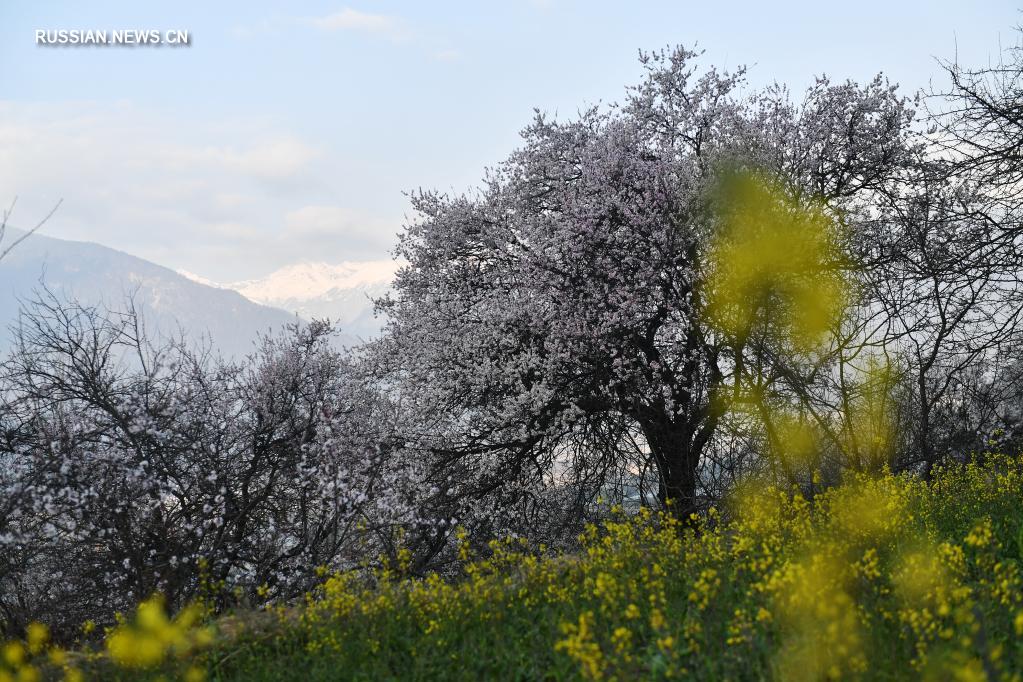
{"points": [[388, 27], [350, 19], [319, 220], [325, 223], [447, 55], [229, 199], [249, 31], [279, 157]]}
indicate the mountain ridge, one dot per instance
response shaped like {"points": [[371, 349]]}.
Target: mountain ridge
{"points": [[344, 292], [98, 275]]}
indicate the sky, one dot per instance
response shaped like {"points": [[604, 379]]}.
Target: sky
{"points": [[290, 132]]}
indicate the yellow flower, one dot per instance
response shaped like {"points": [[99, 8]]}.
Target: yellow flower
{"points": [[153, 636], [579, 645], [14, 654], [57, 657], [657, 621], [37, 635]]}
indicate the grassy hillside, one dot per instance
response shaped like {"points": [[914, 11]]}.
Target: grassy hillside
{"points": [[880, 578]]}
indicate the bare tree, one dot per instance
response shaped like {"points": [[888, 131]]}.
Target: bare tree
{"points": [[980, 119]]}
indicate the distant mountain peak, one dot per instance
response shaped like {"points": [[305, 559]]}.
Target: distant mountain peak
{"points": [[316, 280], [342, 292]]}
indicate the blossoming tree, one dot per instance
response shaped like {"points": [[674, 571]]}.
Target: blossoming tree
{"points": [[561, 308]]}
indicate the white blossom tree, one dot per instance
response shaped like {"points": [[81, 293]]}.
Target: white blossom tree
{"points": [[130, 467], [564, 301]]}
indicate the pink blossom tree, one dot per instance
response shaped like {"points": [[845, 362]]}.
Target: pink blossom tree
{"points": [[561, 306]]}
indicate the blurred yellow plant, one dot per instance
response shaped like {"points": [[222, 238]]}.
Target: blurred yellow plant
{"points": [[153, 637], [775, 264]]}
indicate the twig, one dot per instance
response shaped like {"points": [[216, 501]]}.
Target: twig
{"points": [[7, 214]]}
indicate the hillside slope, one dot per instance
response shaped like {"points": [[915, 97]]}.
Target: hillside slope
{"points": [[96, 274]]}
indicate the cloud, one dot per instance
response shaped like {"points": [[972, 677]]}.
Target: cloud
{"points": [[325, 223], [350, 19], [318, 220], [386, 27], [276, 158], [255, 30], [229, 199], [447, 55]]}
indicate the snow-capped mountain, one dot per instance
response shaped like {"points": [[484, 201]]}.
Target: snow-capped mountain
{"points": [[97, 275], [343, 293]]}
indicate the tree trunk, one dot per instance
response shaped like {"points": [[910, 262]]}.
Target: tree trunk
{"points": [[926, 443], [677, 459]]}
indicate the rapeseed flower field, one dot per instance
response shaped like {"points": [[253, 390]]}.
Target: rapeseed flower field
{"points": [[881, 577]]}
